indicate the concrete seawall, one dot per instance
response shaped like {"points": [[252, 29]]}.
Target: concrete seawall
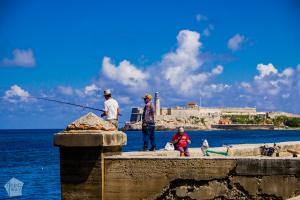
{"points": [[101, 173], [93, 166], [201, 178]]}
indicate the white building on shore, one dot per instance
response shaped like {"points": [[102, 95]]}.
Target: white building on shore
{"points": [[192, 109]]}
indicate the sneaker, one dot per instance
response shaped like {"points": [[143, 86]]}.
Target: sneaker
{"points": [[145, 149]]}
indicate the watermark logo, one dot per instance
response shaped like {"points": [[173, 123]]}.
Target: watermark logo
{"points": [[14, 187]]}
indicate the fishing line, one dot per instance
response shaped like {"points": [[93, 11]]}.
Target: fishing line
{"points": [[67, 103]]}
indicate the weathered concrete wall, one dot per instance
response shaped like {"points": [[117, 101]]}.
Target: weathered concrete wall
{"points": [[93, 167], [80, 172], [82, 146], [201, 178]]}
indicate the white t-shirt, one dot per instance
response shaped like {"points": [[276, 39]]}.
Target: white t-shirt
{"points": [[111, 107]]}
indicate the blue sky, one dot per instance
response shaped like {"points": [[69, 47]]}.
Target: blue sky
{"points": [[233, 53]]}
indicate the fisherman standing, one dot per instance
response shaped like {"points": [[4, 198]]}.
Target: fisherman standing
{"points": [[111, 108], [148, 124]]}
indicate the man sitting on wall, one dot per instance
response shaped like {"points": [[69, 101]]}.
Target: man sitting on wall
{"points": [[180, 140]]}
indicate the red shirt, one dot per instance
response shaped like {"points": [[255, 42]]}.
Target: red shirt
{"points": [[182, 142]]}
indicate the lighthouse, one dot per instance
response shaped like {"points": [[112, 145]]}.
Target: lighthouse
{"points": [[157, 104]]}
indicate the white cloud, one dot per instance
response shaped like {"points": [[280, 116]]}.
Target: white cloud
{"points": [[21, 58], [182, 68], [125, 74], [265, 70], [91, 89], [236, 42], [178, 71], [270, 89], [288, 72], [183, 72], [66, 90], [178, 67], [16, 94], [219, 87], [200, 18], [270, 81], [218, 70], [245, 85]]}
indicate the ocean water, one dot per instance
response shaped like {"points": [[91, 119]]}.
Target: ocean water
{"points": [[29, 155]]}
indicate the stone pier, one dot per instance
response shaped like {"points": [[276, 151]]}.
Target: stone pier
{"points": [[82, 147], [93, 167]]}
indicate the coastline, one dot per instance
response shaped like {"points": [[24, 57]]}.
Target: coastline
{"points": [[217, 129]]}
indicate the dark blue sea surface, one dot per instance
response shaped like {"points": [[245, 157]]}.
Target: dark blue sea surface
{"points": [[29, 155]]}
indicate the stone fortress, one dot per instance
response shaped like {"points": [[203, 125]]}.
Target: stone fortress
{"points": [[195, 117]]}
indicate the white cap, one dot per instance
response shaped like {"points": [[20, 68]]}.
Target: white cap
{"points": [[107, 92], [180, 130]]}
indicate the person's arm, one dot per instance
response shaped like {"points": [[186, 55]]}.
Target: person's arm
{"points": [[152, 111], [175, 139], [143, 117], [104, 114], [105, 110], [188, 139]]}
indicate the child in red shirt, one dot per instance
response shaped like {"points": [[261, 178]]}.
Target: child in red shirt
{"points": [[180, 140]]}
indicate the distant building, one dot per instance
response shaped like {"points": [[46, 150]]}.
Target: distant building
{"points": [[191, 109], [157, 104], [192, 105], [136, 114]]}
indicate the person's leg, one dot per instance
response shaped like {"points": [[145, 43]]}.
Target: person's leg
{"points": [[181, 151], [114, 122], [186, 151], [152, 137], [145, 137]]}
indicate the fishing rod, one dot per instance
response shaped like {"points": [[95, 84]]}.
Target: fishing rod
{"points": [[67, 103]]}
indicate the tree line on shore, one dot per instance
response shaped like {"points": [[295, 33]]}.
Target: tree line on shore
{"points": [[279, 121]]}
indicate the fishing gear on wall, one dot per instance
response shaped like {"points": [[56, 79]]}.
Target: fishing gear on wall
{"points": [[265, 150]]}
